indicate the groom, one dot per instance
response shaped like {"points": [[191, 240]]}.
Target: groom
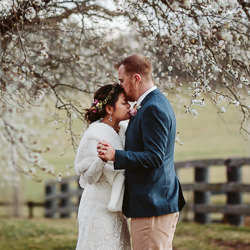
{"points": [[153, 195]]}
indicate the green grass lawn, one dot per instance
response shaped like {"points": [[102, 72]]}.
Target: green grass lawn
{"points": [[20, 234]]}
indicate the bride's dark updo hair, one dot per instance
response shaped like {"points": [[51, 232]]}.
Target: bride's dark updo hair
{"points": [[105, 95]]}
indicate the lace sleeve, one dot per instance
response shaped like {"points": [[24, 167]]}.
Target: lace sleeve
{"points": [[94, 172]]}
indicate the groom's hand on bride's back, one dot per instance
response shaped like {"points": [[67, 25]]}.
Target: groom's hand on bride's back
{"points": [[105, 151]]}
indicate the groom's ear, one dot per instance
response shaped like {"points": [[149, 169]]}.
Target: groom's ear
{"points": [[109, 109], [137, 78]]}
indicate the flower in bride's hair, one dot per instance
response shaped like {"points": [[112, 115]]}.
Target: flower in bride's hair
{"points": [[96, 105], [95, 102], [99, 105]]}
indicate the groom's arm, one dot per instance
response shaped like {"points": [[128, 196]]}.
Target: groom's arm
{"points": [[156, 124]]}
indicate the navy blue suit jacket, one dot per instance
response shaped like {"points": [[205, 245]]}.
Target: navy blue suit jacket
{"points": [[151, 185]]}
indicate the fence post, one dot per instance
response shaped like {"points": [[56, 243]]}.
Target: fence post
{"points": [[50, 205], [30, 205], [65, 201], [201, 197], [233, 198]]}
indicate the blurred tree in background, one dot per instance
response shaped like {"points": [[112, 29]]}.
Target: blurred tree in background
{"points": [[54, 52]]}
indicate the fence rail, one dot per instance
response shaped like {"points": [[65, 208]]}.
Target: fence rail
{"points": [[224, 209], [61, 200], [30, 204], [242, 161], [217, 187], [234, 209]]}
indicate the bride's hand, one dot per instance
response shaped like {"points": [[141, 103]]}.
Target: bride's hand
{"points": [[105, 151]]}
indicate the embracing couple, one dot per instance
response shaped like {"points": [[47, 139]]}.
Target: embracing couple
{"points": [[127, 169]]}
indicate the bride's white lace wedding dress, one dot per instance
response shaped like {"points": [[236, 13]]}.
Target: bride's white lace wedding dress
{"points": [[102, 225]]}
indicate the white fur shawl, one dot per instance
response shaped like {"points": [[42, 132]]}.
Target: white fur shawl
{"points": [[90, 167]]}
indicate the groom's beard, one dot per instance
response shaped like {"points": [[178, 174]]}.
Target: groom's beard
{"points": [[131, 97]]}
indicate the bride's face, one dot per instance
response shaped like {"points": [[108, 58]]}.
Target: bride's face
{"points": [[122, 108]]}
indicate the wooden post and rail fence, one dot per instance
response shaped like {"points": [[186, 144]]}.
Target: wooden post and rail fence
{"points": [[234, 209], [58, 195], [62, 198]]}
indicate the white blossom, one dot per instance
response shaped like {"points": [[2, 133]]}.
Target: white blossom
{"points": [[198, 102], [30, 13], [221, 98], [188, 58], [187, 4], [43, 55], [194, 112], [175, 5], [236, 103], [227, 36], [208, 88], [50, 61], [223, 110], [243, 78], [74, 20], [170, 68], [37, 2], [232, 3], [221, 44], [178, 141], [32, 171], [74, 116]]}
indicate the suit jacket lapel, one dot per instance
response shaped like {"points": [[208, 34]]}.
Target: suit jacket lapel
{"points": [[142, 103], [156, 91], [130, 121]]}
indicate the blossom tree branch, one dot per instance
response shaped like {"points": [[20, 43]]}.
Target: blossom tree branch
{"points": [[55, 53]]}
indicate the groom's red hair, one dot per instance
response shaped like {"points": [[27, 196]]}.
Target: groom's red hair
{"points": [[137, 64]]}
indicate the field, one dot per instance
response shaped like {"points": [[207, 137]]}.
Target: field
{"points": [[210, 135], [20, 234]]}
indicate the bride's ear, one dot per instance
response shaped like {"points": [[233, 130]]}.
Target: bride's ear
{"points": [[109, 109]]}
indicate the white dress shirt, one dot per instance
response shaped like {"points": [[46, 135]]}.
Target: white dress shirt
{"points": [[139, 101]]}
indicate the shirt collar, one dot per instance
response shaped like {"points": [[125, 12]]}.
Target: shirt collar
{"points": [[139, 101]]}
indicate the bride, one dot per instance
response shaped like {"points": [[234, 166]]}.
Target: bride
{"points": [[101, 223]]}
